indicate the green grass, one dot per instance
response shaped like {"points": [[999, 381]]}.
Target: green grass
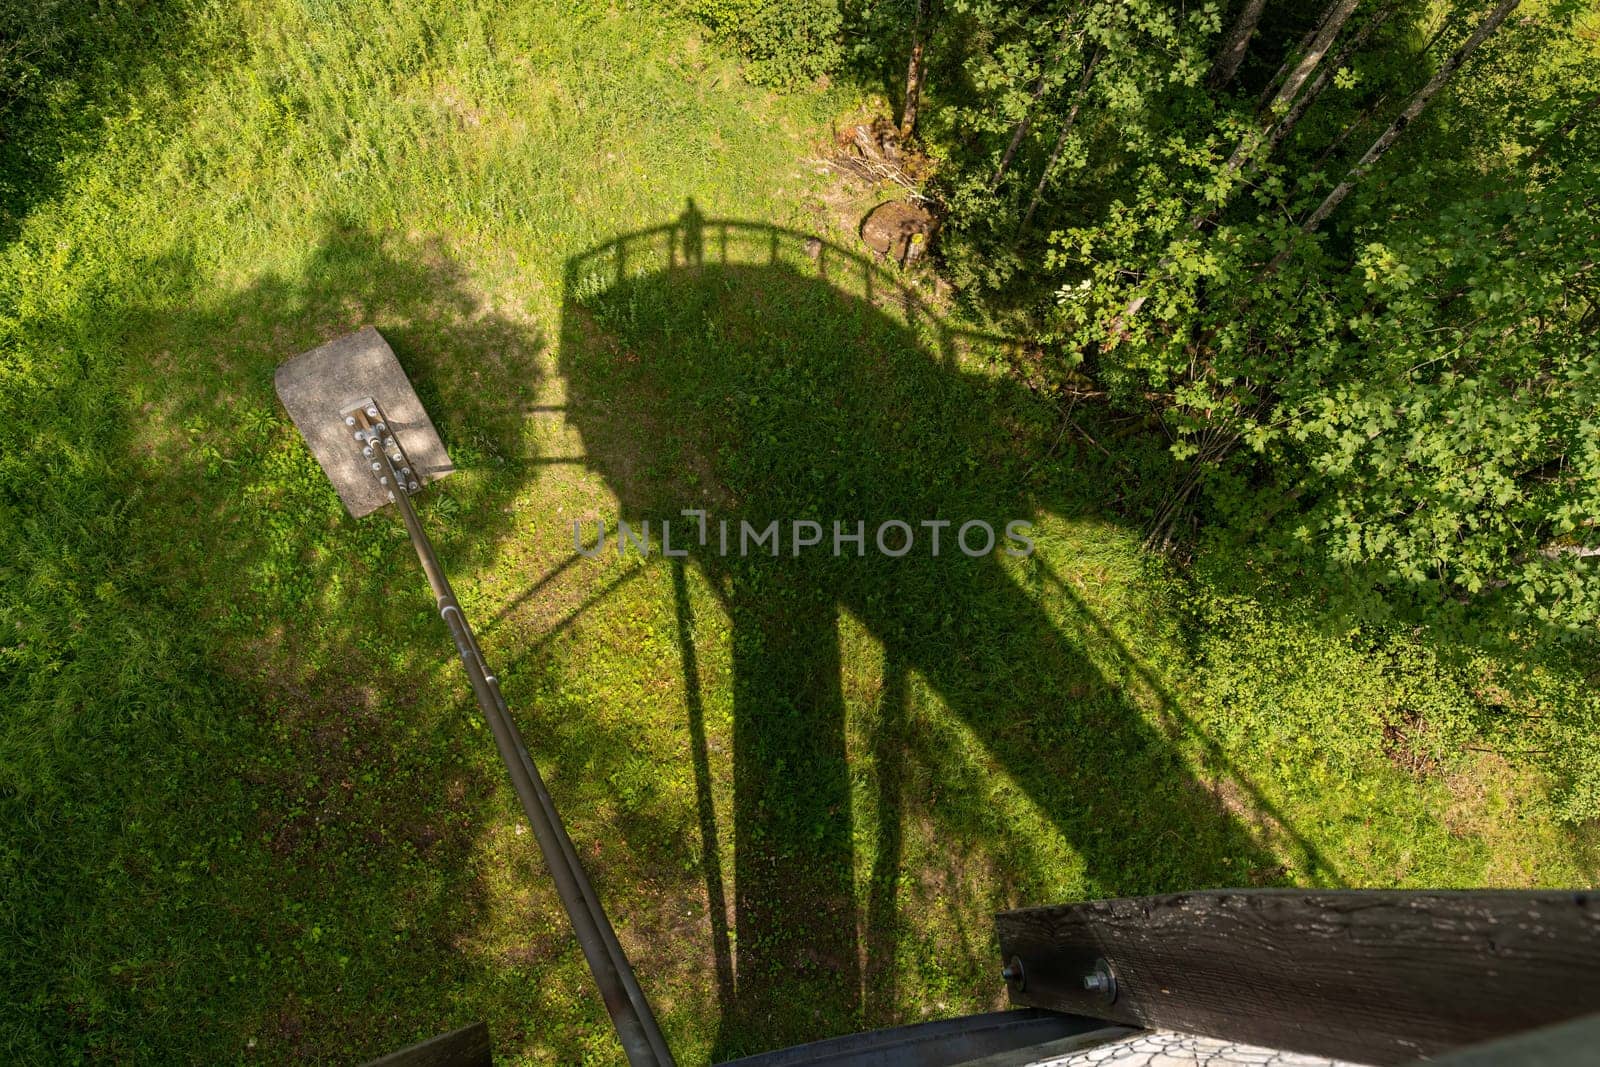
{"points": [[250, 810]]}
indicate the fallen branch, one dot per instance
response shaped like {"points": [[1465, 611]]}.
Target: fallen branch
{"points": [[875, 171]]}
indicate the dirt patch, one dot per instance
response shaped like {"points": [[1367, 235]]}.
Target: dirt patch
{"points": [[1405, 744]]}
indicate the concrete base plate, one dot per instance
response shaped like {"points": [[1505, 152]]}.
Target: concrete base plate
{"points": [[317, 385]]}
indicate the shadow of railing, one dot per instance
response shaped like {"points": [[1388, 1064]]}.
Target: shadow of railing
{"points": [[696, 241]]}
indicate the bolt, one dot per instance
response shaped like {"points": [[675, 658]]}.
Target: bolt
{"points": [[349, 420], [383, 427], [388, 442], [1012, 971], [367, 451], [415, 487], [372, 412], [377, 466], [1095, 983], [407, 472], [384, 480]]}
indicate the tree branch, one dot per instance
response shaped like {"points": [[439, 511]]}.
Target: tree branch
{"points": [[1026, 121]]}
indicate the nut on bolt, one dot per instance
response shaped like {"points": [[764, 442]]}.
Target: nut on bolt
{"points": [[1100, 981]]}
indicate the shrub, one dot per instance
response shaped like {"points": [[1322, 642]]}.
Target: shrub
{"points": [[788, 42]]}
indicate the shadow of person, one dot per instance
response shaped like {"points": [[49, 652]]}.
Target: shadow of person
{"points": [[691, 236], [765, 384]]}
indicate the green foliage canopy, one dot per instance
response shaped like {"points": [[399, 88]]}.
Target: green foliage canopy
{"points": [[1393, 394]]}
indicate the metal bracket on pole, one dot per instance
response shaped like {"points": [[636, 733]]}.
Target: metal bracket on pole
{"points": [[373, 435]]}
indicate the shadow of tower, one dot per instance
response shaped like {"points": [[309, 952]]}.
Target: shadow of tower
{"points": [[764, 375]]}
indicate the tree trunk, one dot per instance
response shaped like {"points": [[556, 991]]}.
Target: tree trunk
{"points": [[1350, 130], [1238, 43], [1288, 60], [1386, 140], [1061, 141], [1311, 56], [1024, 123], [1377, 105], [1324, 76], [908, 116], [1332, 22]]}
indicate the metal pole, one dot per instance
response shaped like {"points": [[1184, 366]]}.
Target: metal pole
{"points": [[625, 1001]]}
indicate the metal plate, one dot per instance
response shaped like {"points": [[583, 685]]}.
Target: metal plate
{"points": [[317, 385], [1000, 1038]]}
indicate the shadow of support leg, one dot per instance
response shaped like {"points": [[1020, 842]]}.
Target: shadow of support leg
{"points": [[798, 974], [882, 933], [710, 855]]}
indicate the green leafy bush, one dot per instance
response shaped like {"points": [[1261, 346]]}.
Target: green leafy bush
{"points": [[1363, 702], [788, 42], [1418, 417]]}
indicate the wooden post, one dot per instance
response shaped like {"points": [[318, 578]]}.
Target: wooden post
{"points": [[466, 1047], [1372, 976]]}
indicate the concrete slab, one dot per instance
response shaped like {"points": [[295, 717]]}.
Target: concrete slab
{"points": [[316, 385]]}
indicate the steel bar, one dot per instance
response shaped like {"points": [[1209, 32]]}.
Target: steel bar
{"points": [[630, 1012]]}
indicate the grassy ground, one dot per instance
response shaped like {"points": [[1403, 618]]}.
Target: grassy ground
{"points": [[250, 810]]}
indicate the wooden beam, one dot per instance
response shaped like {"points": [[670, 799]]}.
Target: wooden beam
{"points": [[466, 1047], [1372, 976]]}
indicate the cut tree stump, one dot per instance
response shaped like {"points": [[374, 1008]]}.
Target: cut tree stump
{"points": [[900, 230]]}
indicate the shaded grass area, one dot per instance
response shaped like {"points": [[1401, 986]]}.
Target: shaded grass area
{"points": [[774, 391], [249, 810]]}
